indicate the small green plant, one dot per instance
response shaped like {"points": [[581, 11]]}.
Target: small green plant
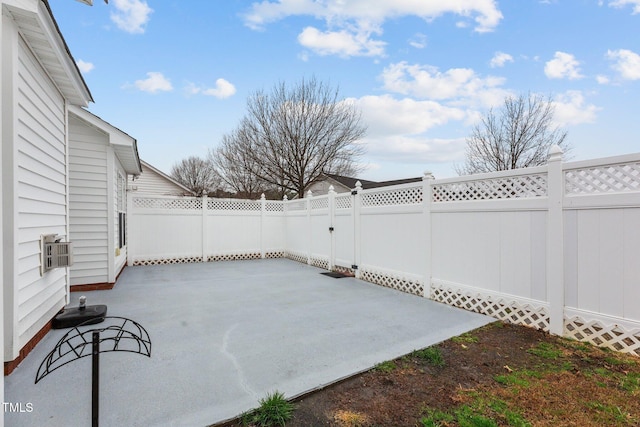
{"points": [[430, 354], [465, 338], [386, 367], [274, 410], [546, 351]]}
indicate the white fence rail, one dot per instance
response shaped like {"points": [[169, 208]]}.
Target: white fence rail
{"points": [[555, 247]]}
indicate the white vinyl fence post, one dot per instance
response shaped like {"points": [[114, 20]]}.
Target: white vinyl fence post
{"points": [[308, 201], [204, 229], [263, 204], [426, 203], [331, 200], [285, 225], [132, 237], [357, 200], [555, 241]]}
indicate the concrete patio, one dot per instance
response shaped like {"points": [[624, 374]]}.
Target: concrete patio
{"points": [[224, 334]]}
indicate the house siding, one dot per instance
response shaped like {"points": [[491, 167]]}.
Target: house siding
{"points": [[88, 203], [150, 182], [41, 203]]}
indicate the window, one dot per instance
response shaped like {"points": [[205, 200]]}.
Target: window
{"points": [[121, 207]]}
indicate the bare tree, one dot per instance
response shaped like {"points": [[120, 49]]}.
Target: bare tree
{"points": [[292, 135], [518, 135], [234, 163], [196, 174]]}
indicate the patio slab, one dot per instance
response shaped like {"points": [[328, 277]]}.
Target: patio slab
{"points": [[224, 334]]}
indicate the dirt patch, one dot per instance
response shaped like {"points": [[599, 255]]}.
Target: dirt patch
{"points": [[497, 375]]}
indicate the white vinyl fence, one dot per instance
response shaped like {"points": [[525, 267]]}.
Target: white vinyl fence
{"points": [[556, 247]]}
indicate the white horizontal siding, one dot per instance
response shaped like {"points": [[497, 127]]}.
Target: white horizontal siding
{"points": [[42, 193], [151, 182], [88, 203]]}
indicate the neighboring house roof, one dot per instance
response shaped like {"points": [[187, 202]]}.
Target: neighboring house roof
{"points": [[162, 184], [37, 25], [350, 182], [124, 146]]}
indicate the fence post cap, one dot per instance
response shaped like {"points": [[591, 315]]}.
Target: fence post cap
{"points": [[428, 175], [555, 153], [309, 193], [262, 197], [285, 198], [358, 185], [331, 189]]}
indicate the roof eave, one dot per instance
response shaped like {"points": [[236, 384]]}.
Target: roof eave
{"points": [[41, 32], [124, 146]]}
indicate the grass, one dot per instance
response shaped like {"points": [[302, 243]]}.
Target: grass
{"points": [[274, 410], [465, 338], [610, 382], [386, 367], [350, 419], [546, 351], [431, 355]]}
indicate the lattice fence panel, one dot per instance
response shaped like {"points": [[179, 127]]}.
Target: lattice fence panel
{"points": [[614, 337], [603, 179], [399, 283], [500, 308], [344, 270], [177, 203], [234, 257], [344, 202], [295, 256], [404, 196], [319, 262], [274, 254], [320, 203], [511, 187], [164, 261], [234, 205], [274, 206]]}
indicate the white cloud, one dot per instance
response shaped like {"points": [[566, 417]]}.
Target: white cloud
{"points": [[603, 80], [460, 86], [627, 63], [131, 15], [485, 12], [563, 66], [499, 59], [397, 129], [84, 66], [350, 24], [418, 149], [342, 43], [419, 41], [623, 3], [155, 82], [571, 109], [223, 89], [386, 115]]}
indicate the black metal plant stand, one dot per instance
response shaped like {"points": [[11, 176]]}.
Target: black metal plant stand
{"points": [[119, 334]]}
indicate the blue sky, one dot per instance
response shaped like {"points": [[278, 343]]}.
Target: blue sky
{"points": [[175, 75]]}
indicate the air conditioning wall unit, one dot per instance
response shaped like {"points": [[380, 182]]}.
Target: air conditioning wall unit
{"points": [[54, 253]]}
